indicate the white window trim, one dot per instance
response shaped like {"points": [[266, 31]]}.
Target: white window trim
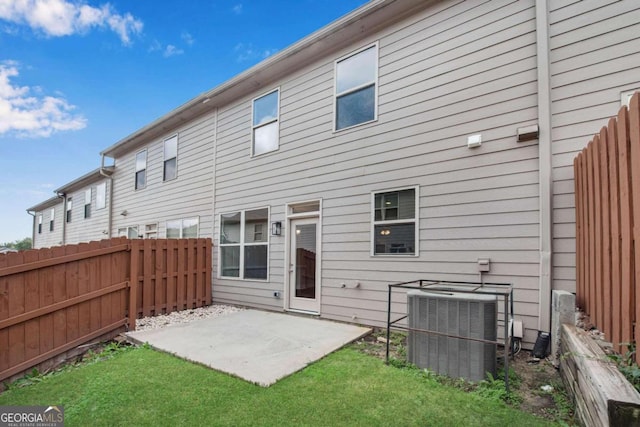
{"points": [[197, 218], [88, 192], [416, 220], [136, 170], [68, 215], [40, 224], [164, 156], [335, 87], [242, 245], [254, 127], [127, 228]]}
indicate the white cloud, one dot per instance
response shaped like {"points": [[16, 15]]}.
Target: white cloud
{"points": [[171, 50], [247, 52], [187, 38], [26, 115], [237, 9], [57, 18]]}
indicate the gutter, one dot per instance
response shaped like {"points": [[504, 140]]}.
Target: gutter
{"points": [[110, 211], [33, 228], [64, 217], [545, 170]]}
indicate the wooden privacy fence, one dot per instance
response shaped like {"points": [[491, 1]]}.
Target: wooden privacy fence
{"points": [[54, 300], [607, 190]]}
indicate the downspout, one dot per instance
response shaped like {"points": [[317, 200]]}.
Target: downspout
{"points": [[545, 170], [64, 217], [33, 228], [110, 211]]}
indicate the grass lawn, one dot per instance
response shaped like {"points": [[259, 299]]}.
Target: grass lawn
{"points": [[144, 387]]}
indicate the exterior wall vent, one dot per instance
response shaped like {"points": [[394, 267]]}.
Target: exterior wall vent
{"points": [[460, 314]]}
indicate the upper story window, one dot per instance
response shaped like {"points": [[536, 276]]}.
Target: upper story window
{"points": [[52, 218], [356, 88], [69, 209], [266, 129], [170, 170], [141, 169], [40, 224], [395, 224], [87, 203], [101, 195], [182, 228]]}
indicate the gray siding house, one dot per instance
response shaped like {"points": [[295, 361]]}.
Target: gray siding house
{"points": [[406, 140], [47, 223]]}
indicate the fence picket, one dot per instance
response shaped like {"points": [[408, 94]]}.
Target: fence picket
{"points": [[634, 139], [614, 195]]}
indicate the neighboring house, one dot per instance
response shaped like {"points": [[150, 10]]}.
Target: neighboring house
{"points": [[47, 223], [5, 250], [403, 141]]}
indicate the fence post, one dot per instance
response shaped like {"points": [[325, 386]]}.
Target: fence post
{"points": [[133, 283]]}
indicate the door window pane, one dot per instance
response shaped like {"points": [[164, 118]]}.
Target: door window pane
{"points": [[305, 261]]}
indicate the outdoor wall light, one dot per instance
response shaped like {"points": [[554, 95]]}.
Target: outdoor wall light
{"points": [[276, 228], [124, 213]]}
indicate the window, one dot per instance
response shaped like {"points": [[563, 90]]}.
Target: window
{"points": [[265, 123], [130, 232], [356, 88], [69, 209], [151, 231], [101, 195], [141, 169], [244, 244], [87, 203], [182, 228], [170, 158], [40, 224], [394, 222], [52, 218]]}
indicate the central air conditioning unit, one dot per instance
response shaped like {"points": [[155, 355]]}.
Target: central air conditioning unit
{"points": [[460, 314]]}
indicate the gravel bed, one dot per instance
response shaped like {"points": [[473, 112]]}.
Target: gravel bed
{"points": [[185, 316]]}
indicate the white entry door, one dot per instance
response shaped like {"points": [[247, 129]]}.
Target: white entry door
{"points": [[304, 265]]}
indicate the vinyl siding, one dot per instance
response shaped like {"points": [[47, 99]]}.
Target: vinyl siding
{"points": [[96, 227], [452, 70], [595, 56], [189, 195], [48, 238]]}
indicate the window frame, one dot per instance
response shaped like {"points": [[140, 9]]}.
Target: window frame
{"points": [[128, 229], [87, 205], [52, 218], [242, 244], [69, 210], [415, 221], [135, 167], [254, 127], [375, 45], [165, 159], [40, 223], [182, 220]]}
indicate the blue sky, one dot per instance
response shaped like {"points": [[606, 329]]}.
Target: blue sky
{"points": [[78, 76]]}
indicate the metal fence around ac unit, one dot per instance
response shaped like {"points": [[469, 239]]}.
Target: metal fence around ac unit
{"points": [[453, 326]]}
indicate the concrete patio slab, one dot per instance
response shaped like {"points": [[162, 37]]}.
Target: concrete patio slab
{"points": [[258, 346]]}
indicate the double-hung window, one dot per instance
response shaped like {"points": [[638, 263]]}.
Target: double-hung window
{"points": [[87, 203], [69, 209], [395, 223], [141, 169], [101, 195], [170, 170], [52, 218], [40, 224], [356, 88], [182, 228], [266, 129], [244, 244]]}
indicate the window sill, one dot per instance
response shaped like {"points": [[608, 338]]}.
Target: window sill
{"points": [[370, 122], [239, 279]]}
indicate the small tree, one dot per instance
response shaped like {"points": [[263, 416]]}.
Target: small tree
{"points": [[19, 245]]}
